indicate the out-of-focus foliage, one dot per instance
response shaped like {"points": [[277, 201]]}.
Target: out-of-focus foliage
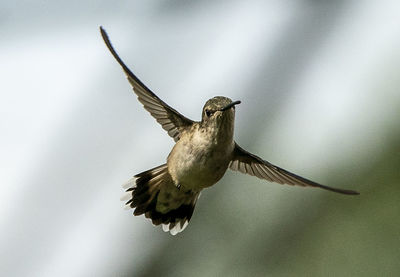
{"points": [[319, 86], [332, 235]]}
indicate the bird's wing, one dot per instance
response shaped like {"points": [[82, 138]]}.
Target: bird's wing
{"points": [[248, 163], [171, 120]]}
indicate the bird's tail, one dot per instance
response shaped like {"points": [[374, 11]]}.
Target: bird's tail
{"points": [[154, 194]]}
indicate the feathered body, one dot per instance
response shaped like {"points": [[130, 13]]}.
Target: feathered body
{"points": [[201, 156], [204, 150]]}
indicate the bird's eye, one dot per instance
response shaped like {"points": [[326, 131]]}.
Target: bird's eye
{"points": [[208, 113]]}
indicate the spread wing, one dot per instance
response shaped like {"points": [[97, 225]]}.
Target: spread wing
{"points": [[248, 163], [171, 120]]}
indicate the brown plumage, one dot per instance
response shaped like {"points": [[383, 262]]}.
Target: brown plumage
{"points": [[154, 194], [200, 157]]}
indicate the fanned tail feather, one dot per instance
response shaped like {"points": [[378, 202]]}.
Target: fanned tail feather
{"points": [[154, 194]]}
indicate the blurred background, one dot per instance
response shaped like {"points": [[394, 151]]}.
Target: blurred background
{"points": [[319, 83]]}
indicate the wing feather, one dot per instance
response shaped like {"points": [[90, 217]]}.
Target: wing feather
{"points": [[251, 164], [171, 120]]}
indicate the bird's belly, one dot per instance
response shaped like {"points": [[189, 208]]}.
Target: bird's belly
{"points": [[194, 167]]}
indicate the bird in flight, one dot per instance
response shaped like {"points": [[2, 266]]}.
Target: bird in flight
{"points": [[203, 151]]}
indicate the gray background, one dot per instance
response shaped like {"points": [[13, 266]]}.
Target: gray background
{"points": [[319, 84]]}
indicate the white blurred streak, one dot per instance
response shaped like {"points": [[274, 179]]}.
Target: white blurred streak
{"points": [[50, 82], [246, 34], [339, 106], [47, 81], [43, 79], [97, 236]]}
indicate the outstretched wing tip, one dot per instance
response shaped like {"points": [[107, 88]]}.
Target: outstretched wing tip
{"points": [[347, 191], [105, 37], [251, 164], [171, 120]]}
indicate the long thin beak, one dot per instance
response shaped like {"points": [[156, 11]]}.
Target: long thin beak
{"points": [[227, 107]]}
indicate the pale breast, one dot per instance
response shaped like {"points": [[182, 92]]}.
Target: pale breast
{"points": [[198, 160]]}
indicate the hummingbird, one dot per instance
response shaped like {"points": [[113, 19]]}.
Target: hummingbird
{"points": [[203, 151]]}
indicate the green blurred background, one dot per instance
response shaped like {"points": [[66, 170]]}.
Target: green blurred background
{"points": [[320, 89]]}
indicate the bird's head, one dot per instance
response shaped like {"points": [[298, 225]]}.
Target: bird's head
{"points": [[219, 109]]}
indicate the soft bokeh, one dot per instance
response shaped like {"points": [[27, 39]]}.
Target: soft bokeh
{"points": [[319, 83]]}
